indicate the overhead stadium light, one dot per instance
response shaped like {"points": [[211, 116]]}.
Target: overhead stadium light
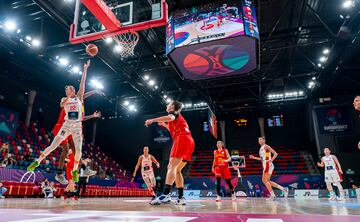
{"points": [[168, 100], [126, 103], [108, 40], [10, 25], [322, 59], [146, 77], [151, 83], [64, 61], [35, 43], [28, 38], [131, 108], [348, 4], [290, 94], [96, 84], [326, 51], [75, 69], [118, 48]]}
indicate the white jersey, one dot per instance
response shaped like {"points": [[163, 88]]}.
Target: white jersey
{"points": [[146, 163], [73, 110], [329, 162], [264, 154]]}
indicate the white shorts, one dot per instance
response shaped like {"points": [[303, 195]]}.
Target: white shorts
{"points": [[149, 178], [74, 129], [268, 167], [332, 176]]}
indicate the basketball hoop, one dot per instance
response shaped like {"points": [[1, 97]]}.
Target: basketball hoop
{"points": [[127, 41]]}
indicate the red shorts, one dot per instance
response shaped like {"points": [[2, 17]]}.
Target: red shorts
{"points": [[183, 147], [68, 173], [56, 130], [223, 172]]}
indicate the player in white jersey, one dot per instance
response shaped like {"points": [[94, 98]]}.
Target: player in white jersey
{"points": [[332, 176], [73, 106], [268, 167], [146, 161]]}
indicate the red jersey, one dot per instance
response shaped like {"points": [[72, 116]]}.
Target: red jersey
{"points": [[179, 126], [71, 162], [70, 166], [61, 118], [220, 156]]}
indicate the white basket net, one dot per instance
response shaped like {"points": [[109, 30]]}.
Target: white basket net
{"points": [[127, 42]]}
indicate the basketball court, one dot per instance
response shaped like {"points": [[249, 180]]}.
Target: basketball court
{"points": [[202, 42], [127, 209]]}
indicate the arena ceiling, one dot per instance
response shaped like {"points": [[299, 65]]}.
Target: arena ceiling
{"points": [[294, 34]]}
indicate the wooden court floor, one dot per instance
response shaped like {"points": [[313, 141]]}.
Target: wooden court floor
{"points": [[131, 209]]}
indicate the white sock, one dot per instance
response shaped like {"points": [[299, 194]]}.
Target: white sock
{"points": [[341, 190], [272, 193]]}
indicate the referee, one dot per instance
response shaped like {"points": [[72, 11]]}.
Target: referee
{"points": [[82, 181]]}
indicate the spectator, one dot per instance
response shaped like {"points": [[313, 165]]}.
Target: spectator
{"points": [[2, 191], [54, 189], [47, 190], [9, 161], [4, 147], [37, 190]]}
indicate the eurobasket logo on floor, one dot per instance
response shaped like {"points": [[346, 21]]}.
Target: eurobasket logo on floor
{"points": [[306, 194]]}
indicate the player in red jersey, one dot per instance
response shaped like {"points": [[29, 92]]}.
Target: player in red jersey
{"points": [[181, 151], [70, 188], [221, 169]]}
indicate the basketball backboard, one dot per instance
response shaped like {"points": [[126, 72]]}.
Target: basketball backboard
{"points": [[96, 19]]}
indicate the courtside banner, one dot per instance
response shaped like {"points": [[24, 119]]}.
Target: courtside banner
{"points": [[358, 193], [192, 194], [208, 193], [306, 194], [333, 120], [188, 194]]}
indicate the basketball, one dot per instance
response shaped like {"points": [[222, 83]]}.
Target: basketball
{"points": [[92, 50]]}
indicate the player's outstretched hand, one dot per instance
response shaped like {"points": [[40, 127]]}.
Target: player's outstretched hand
{"points": [[148, 122], [96, 114], [87, 64], [252, 157], [158, 166], [359, 145], [319, 164]]}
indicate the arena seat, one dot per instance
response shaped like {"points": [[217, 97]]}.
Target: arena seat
{"points": [[35, 139]]}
